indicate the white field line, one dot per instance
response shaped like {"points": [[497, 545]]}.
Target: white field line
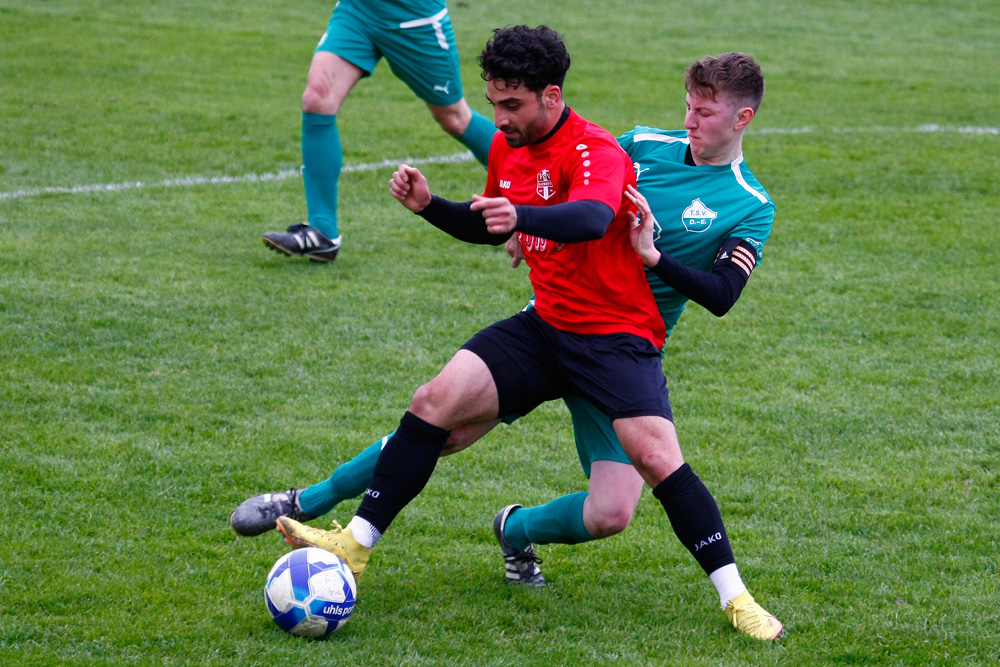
{"points": [[286, 174], [187, 181], [929, 128]]}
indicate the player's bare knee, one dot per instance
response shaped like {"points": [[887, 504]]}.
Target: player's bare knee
{"points": [[428, 401], [453, 121], [421, 400], [610, 523], [453, 125], [654, 466], [314, 98]]}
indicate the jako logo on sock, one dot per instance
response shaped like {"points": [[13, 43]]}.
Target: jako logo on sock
{"points": [[711, 539]]}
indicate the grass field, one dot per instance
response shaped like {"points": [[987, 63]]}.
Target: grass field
{"points": [[158, 365]]}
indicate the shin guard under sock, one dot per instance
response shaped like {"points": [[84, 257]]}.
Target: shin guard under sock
{"points": [[695, 518], [402, 470]]}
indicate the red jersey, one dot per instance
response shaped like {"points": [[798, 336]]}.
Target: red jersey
{"points": [[592, 287]]}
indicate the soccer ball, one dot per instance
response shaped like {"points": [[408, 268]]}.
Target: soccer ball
{"points": [[310, 592]]}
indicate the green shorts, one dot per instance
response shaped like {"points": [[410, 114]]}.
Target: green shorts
{"points": [[595, 436], [421, 53]]}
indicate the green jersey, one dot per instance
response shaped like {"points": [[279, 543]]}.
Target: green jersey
{"points": [[697, 207]]}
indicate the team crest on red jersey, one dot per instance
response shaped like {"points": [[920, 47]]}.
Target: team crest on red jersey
{"points": [[544, 185], [531, 243]]}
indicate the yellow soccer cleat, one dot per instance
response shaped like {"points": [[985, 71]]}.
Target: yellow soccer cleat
{"points": [[338, 541], [751, 619]]}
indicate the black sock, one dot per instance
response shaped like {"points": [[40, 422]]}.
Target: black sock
{"points": [[402, 470], [695, 518]]}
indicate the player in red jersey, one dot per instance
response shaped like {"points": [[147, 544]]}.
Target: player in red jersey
{"points": [[559, 183], [576, 162]]}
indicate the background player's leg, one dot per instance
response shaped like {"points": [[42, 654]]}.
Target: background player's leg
{"points": [[330, 80], [474, 130]]}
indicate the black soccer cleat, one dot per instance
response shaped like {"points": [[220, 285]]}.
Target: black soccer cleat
{"points": [[301, 239], [521, 564], [258, 514]]}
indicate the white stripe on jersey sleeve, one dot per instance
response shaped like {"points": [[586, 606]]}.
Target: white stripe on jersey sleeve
{"points": [[735, 166], [662, 138]]}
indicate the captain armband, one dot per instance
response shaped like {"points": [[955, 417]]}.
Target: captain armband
{"points": [[738, 254]]}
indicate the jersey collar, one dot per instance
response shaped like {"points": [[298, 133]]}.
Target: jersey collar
{"points": [[688, 158], [560, 123]]}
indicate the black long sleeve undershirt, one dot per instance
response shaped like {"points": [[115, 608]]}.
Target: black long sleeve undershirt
{"points": [[569, 222], [460, 221], [719, 290]]}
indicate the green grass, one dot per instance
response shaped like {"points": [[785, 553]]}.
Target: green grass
{"points": [[158, 365]]}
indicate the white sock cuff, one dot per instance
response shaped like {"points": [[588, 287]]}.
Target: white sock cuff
{"points": [[728, 582], [365, 533]]}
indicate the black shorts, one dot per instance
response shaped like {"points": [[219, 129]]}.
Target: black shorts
{"points": [[532, 362]]}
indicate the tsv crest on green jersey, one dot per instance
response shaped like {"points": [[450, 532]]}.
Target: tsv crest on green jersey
{"points": [[697, 217]]}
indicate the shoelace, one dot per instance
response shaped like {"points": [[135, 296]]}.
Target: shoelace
{"points": [[749, 617], [524, 557]]}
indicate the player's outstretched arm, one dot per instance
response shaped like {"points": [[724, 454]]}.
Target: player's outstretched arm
{"points": [[410, 187], [460, 221]]}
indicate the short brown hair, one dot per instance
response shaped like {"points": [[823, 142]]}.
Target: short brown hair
{"points": [[735, 75]]}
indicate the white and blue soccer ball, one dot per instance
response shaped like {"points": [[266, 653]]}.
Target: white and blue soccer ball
{"points": [[310, 592]]}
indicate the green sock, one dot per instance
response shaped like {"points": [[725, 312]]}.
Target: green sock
{"points": [[347, 481], [556, 522], [322, 159], [478, 136]]}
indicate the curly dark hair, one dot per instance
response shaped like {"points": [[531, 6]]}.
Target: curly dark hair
{"points": [[534, 57]]}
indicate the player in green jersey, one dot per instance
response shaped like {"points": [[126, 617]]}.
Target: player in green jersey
{"points": [[705, 222], [416, 38]]}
